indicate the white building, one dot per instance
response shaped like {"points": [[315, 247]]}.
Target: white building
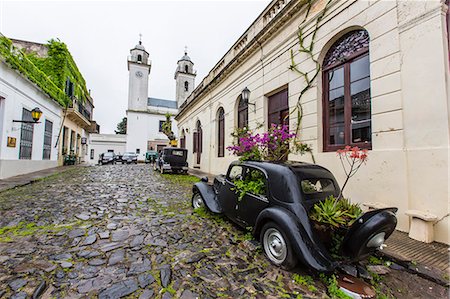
{"points": [[26, 147], [145, 115], [103, 143], [379, 78]]}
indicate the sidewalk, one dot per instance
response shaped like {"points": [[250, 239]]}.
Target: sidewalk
{"points": [[430, 261], [28, 178]]}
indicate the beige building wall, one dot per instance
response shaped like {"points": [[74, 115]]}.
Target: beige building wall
{"points": [[409, 69], [81, 150]]}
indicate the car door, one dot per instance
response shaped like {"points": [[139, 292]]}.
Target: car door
{"points": [[227, 195], [252, 204]]}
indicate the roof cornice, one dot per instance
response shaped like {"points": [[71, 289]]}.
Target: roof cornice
{"points": [[245, 48]]}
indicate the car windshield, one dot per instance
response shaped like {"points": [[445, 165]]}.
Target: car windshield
{"points": [[109, 154]]}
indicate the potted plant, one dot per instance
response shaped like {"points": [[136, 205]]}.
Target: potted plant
{"points": [[335, 215]]}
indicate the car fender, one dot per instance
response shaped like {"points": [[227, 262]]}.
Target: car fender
{"points": [[208, 195], [306, 250]]}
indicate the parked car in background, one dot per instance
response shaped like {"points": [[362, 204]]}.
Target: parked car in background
{"points": [[151, 157], [107, 158], [172, 159], [279, 213], [119, 158], [129, 157]]}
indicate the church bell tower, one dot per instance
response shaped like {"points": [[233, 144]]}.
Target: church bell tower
{"points": [[185, 78], [139, 69]]}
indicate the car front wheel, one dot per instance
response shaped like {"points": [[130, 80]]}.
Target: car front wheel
{"points": [[197, 201], [277, 246]]}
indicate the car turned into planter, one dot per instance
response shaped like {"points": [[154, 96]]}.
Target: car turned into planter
{"points": [[279, 213]]}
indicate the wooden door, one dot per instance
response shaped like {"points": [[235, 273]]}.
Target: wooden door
{"points": [[199, 142]]}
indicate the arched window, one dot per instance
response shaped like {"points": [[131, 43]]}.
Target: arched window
{"points": [[221, 132], [242, 113], [183, 139], [346, 85], [186, 86], [186, 69], [139, 58], [198, 141]]}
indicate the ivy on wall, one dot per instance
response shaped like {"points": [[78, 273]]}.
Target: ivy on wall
{"points": [[306, 48], [49, 73], [19, 61]]}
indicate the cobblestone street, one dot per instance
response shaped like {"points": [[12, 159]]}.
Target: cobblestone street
{"points": [[123, 230]]}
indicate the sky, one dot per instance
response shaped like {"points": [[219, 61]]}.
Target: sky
{"points": [[100, 34]]}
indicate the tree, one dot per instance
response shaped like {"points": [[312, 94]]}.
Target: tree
{"points": [[167, 128], [122, 126]]}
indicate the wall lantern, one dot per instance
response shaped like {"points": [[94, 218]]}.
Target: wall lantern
{"points": [[245, 94], [36, 114]]}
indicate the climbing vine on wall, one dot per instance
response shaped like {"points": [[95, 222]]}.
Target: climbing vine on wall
{"points": [[16, 59], [306, 48], [49, 73]]}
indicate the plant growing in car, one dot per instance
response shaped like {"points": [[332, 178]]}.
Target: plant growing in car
{"points": [[254, 183], [352, 158], [274, 145]]}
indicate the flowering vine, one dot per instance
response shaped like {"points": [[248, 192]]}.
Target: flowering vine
{"points": [[273, 145]]}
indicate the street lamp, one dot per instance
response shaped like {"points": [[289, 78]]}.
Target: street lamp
{"points": [[36, 114], [245, 94]]}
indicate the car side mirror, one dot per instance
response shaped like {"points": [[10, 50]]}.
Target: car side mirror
{"points": [[204, 179]]}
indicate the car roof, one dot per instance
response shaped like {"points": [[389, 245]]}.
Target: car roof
{"points": [[296, 167], [284, 176]]}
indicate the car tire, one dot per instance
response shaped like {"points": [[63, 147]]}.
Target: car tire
{"points": [[277, 247], [197, 201]]}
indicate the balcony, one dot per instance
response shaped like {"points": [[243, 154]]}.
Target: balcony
{"points": [[79, 114], [94, 128]]}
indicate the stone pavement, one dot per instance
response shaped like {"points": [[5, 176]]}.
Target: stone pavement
{"points": [[123, 230]]}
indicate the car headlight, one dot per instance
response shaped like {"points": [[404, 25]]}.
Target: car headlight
{"points": [[377, 240]]}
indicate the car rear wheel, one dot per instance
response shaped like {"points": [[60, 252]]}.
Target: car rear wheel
{"points": [[197, 201], [277, 246]]}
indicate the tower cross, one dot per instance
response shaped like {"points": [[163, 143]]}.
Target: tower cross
{"points": [[185, 50], [140, 38]]}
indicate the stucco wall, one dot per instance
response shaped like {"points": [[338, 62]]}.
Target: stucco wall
{"points": [[144, 127], [408, 163], [102, 143], [19, 93]]}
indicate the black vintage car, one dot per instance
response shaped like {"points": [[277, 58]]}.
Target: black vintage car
{"points": [[172, 159], [279, 216]]}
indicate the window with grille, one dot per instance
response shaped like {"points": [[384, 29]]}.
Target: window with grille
{"points": [[346, 98], [47, 149], [26, 136]]}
